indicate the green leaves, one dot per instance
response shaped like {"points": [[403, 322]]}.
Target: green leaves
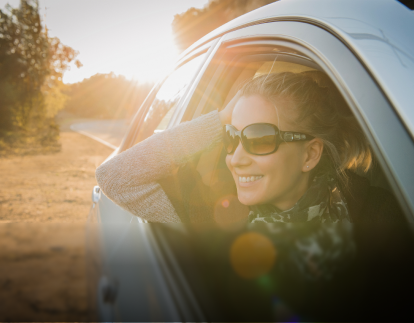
{"points": [[31, 69]]}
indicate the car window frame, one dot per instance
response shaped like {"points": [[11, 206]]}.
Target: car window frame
{"points": [[356, 83], [185, 106], [138, 119]]}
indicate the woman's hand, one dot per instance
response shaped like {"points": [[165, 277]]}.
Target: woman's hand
{"points": [[225, 114]]}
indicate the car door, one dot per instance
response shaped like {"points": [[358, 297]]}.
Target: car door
{"points": [[297, 47], [124, 274]]}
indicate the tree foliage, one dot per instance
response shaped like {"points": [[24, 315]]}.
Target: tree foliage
{"points": [[106, 96], [31, 69], [193, 24]]}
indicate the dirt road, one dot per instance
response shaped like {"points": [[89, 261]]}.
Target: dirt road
{"points": [[108, 132], [44, 204]]}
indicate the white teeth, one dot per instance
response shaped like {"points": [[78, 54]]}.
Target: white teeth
{"points": [[249, 179]]}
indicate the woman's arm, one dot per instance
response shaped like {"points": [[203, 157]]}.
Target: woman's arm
{"points": [[130, 178]]}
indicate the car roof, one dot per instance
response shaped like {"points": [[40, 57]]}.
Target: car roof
{"points": [[379, 32]]}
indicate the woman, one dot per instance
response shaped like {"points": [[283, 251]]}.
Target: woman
{"points": [[298, 141]]}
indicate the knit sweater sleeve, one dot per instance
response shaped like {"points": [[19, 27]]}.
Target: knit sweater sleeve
{"points": [[130, 178]]}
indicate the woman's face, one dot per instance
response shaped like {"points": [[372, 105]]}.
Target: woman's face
{"points": [[280, 178]]}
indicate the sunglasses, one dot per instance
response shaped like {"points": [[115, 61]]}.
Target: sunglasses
{"points": [[259, 138]]}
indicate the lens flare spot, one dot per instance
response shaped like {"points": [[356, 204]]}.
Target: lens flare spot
{"points": [[252, 255], [225, 203], [229, 213]]}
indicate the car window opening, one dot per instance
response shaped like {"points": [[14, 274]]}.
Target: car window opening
{"points": [[211, 166]]}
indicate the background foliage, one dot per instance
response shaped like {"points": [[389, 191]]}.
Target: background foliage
{"points": [[31, 69], [105, 96]]}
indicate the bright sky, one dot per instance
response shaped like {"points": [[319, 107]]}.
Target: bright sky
{"points": [[127, 37]]}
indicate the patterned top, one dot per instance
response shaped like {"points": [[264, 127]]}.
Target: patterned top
{"points": [[322, 202]]}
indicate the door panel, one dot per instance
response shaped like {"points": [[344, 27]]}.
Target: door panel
{"points": [[129, 283]]}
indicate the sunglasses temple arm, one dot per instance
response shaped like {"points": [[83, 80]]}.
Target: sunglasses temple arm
{"points": [[294, 136]]}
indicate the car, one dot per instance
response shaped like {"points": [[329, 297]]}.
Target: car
{"points": [[163, 272]]}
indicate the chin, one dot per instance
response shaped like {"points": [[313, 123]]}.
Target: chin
{"points": [[247, 200]]}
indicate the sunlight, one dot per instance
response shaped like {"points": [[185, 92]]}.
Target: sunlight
{"points": [[149, 63], [130, 38], [145, 57]]}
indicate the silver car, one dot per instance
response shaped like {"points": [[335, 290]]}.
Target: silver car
{"points": [[148, 272]]}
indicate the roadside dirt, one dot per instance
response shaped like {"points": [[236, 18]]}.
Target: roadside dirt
{"points": [[44, 205]]}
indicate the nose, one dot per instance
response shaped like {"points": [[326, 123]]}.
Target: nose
{"points": [[240, 157]]}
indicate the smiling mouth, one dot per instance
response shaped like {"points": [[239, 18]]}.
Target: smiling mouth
{"points": [[249, 179]]}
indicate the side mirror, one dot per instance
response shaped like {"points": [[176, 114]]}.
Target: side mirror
{"points": [[96, 194]]}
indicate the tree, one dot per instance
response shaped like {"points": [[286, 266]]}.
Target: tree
{"points": [[106, 96], [31, 69]]}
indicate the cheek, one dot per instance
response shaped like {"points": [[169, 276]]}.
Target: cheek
{"points": [[269, 165], [280, 165]]}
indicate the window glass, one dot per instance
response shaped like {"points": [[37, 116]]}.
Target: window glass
{"points": [[167, 98]]}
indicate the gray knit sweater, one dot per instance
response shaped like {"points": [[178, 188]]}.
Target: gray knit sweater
{"points": [[130, 178]]}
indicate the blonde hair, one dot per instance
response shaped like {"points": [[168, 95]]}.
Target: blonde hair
{"points": [[320, 111]]}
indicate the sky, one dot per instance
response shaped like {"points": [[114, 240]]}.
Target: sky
{"points": [[128, 37]]}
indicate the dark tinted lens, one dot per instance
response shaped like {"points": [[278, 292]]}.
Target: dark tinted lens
{"points": [[260, 139], [230, 140]]}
